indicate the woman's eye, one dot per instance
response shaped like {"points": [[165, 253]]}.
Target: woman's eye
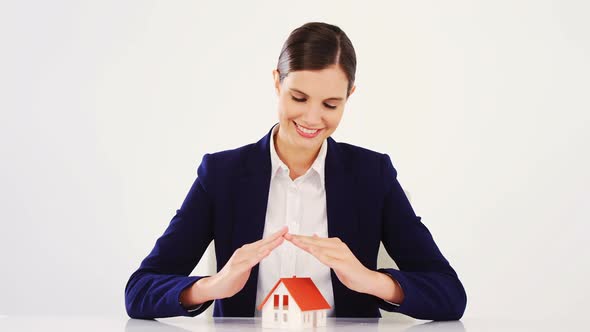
{"points": [[301, 100]]}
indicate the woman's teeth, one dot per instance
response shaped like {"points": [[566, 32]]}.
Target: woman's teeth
{"points": [[307, 131]]}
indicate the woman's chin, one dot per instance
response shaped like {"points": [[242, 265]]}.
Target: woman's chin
{"points": [[304, 143]]}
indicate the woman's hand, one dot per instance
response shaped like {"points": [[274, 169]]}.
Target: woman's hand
{"points": [[335, 254], [233, 276], [352, 273]]}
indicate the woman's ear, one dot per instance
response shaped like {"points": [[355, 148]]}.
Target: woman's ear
{"points": [[351, 91], [277, 83]]}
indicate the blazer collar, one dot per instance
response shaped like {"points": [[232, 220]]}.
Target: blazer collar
{"points": [[258, 160]]}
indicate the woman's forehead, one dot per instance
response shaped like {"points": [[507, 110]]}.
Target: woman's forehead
{"points": [[324, 83]]}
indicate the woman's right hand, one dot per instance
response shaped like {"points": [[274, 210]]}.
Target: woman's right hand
{"points": [[233, 276]]}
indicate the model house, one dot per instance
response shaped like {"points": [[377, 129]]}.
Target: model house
{"points": [[294, 302]]}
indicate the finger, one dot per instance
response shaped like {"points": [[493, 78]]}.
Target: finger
{"points": [[254, 246], [308, 247], [247, 252], [297, 238], [257, 258], [338, 253], [325, 258], [300, 244], [315, 240], [291, 236], [278, 234], [281, 231], [330, 252], [307, 239], [272, 245], [250, 249], [249, 258]]}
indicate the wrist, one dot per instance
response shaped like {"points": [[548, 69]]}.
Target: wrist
{"points": [[368, 283], [384, 286], [375, 282], [199, 293]]}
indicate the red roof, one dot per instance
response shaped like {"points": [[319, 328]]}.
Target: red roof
{"points": [[304, 292]]}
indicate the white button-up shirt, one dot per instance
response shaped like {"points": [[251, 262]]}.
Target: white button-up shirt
{"points": [[301, 205]]}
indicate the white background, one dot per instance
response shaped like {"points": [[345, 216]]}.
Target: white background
{"points": [[107, 108]]}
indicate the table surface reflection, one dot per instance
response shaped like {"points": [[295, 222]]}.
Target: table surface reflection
{"points": [[204, 324]]}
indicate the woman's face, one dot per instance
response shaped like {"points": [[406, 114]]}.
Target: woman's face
{"points": [[311, 103]]}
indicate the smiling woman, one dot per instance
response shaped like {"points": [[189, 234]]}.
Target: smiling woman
{"points": [[299, 203]]}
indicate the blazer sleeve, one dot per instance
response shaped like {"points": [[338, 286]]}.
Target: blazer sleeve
{"points": [[153, 290], [432, 289]]}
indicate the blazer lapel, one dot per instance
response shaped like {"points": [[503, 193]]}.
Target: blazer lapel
{"points": [[340, 195], [249, 218], [343, 216]]}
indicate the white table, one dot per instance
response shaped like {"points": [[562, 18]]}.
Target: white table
{"points": [[203, 324]]}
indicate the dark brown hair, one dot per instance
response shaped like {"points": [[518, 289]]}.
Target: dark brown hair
{"points": [[315, 46]]}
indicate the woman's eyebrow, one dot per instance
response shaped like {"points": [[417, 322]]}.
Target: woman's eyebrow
{"points": [[305, 94]]}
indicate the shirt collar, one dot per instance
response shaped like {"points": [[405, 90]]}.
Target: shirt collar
{"points": [[277, 164]]}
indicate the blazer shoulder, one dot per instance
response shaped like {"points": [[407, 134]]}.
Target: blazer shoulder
{"points": [[224, 162], [364, 158], [375, 168], [358, 151]]}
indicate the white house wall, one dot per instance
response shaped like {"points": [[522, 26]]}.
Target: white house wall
{"points": [[294, 317], [294, 313]]}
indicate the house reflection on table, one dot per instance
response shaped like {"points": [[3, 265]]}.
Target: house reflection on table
{"points": [[221, 324]]}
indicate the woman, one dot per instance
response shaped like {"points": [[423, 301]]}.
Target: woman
{"points": [[299, 203]]}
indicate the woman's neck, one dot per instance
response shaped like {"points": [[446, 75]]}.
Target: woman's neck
{"points": [[298, 160]]}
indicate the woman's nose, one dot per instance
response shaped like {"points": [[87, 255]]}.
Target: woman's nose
{"points": [[313, 116]]}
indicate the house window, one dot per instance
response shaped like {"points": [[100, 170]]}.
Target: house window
{"points": [[276, 317], [285, 317], [276, 301], [285, 302]]}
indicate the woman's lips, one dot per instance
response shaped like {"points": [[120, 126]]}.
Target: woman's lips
{"points": [[307, 133]]}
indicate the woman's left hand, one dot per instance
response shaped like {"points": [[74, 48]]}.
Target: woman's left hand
{"points": [[336, 254]]}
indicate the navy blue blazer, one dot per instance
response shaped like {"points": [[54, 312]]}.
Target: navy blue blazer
{"points": [[365, 206]]}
